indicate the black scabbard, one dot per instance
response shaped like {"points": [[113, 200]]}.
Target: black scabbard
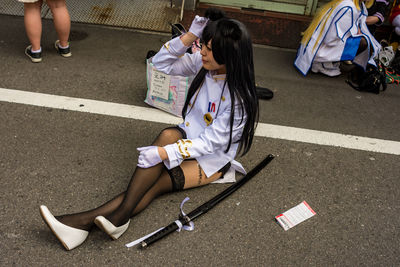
{"points": [[160, 234], [207, 205]]}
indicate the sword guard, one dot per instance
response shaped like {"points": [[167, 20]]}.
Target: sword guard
{"points": [[184, 218]]}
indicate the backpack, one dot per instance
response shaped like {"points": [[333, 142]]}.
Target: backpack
{"points": [[373, 80]]}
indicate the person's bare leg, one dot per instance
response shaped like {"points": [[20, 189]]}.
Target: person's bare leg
{"points": [[33, 23], [61, 18], [195, 176]]}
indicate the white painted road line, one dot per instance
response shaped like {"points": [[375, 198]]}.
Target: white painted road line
{"points": [[87, 105], [155, 115]]}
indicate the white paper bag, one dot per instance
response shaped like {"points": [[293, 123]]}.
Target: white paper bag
{"points": [[166, 92]]}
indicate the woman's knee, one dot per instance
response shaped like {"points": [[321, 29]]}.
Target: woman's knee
{"points": [[168, 136], [56, 4], [362, 46], [33, 6]]}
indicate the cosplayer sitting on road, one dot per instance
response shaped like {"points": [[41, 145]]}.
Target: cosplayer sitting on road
{"points": [[338, 33], [220, 115]]}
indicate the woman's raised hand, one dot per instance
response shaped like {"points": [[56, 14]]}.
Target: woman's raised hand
{"points": [[198, 25], [148, 156]]}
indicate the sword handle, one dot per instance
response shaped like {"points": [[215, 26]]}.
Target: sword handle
{"points": [[160, 234]]}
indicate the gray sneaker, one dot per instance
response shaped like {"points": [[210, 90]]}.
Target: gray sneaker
{"points": [[65, 52], [35, 57]]}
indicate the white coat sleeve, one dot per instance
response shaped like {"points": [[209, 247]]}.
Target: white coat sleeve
{"points": [[214, 137], [172, 59]]}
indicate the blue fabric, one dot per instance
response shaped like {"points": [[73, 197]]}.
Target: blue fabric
{"points": [[350, 48]]}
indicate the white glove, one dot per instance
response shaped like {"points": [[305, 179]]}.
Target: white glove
{"points": [[198, 25], [148, 156]]}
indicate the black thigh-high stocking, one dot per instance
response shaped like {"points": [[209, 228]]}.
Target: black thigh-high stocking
{"points": [[145, 185]]}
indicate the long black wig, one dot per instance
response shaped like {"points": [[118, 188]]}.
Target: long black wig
{"points": [[231, 45]]}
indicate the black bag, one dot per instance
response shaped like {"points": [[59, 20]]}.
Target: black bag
{"points": [[373, 80]]}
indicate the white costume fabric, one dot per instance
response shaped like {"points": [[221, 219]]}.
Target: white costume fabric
{"points": [[335, 43], [208, 116]]}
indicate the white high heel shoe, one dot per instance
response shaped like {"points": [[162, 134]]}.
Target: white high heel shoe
{"points": [[70, 237], [113, 231]]}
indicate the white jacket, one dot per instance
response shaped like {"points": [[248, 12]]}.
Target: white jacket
{"points": [[208, 115]]}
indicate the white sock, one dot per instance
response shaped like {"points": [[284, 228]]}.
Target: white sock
{"points": [[36, 51], [62, 47]]}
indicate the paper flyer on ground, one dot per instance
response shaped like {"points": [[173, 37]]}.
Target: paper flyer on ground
{"points": [[295, 215]]}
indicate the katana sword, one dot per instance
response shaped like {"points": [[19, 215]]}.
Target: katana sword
{"points": [[185, 219]]}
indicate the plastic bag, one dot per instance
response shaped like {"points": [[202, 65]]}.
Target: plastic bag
{"points": [[166, 92]]}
